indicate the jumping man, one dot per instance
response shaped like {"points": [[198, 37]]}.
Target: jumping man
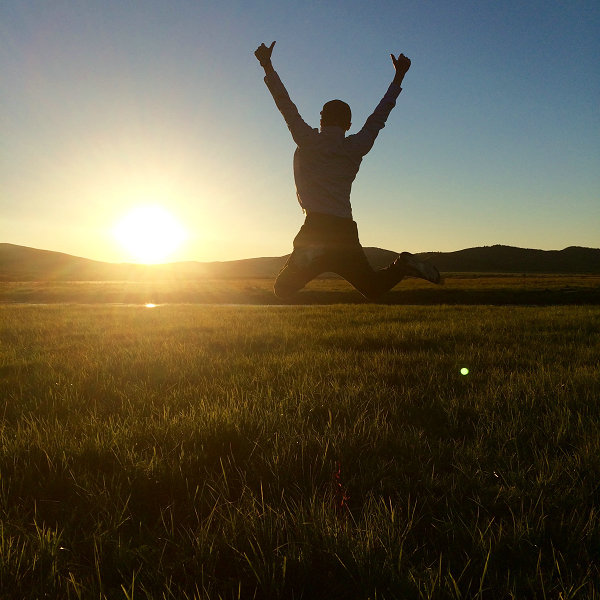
{"points": [[325, 165]]}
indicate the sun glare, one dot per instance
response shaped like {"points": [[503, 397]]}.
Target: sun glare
{"points": [[150, 234]]}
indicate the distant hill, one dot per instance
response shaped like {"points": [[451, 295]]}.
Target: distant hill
{"points": [[507, 259], [20, 263]]}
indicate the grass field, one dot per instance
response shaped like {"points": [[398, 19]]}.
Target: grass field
{"points": [[470, 289], [190, 451]]}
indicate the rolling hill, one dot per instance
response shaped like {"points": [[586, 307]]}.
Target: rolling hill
{"points": [[21, 263]]}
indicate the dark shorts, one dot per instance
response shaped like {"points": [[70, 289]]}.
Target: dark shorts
{"points": [[326, 243]]}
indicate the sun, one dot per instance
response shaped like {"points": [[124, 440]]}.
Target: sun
{"points": [[150, 233]]}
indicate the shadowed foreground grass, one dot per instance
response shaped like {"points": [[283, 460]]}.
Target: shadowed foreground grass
{"points": [[299, 452]]}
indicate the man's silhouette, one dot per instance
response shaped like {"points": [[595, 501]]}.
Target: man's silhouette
{"points": [[325, 165]]}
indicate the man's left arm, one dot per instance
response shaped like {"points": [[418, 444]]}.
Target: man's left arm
{"points": [[299, 129]]}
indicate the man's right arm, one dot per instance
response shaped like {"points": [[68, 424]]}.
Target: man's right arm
{"points": [[300, 130], [363, 140]]}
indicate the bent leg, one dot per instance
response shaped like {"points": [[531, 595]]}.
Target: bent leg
{"points": [[302, 266], [352, 265], [329, 243]]}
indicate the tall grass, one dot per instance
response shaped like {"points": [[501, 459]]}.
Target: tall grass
{"points": [[299, 452]]}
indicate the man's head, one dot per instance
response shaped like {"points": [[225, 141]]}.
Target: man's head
{"points": [[338, 113]]}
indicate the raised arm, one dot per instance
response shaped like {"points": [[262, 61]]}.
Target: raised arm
{"points": [[363, 141], [301, 131]]}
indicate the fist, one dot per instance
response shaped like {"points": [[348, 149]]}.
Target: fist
{"points": [[401, 64], [263, 54]]}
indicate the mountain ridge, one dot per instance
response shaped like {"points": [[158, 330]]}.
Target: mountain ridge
{"points": [[23, 263]]}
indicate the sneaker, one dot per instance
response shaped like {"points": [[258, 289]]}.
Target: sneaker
{"points": [[419, 269]]}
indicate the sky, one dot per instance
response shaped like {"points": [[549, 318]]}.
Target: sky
{"points": [[108, 106]]}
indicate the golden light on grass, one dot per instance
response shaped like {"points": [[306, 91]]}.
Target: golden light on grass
{"points": [[150, 233]]}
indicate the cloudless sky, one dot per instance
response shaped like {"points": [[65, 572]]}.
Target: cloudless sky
{"points": [[106, 105]]}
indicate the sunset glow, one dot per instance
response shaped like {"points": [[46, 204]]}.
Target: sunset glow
{"points": [[111, 105], [149, 234]]}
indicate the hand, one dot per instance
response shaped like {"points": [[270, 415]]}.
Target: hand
{"points": [[263, 54], [402, 65]]}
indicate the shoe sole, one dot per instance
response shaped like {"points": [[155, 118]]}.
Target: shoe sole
{"points": [[420, 269]]}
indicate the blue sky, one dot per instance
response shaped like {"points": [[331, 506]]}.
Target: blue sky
{"points": [[495, 138]]}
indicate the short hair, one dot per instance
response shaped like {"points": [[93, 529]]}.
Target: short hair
{"points": [[336, 112]]}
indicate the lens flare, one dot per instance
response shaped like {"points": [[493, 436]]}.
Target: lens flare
{"points": [[464, 371]]}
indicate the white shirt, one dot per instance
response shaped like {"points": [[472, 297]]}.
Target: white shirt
{"points": [[326, 162]]}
